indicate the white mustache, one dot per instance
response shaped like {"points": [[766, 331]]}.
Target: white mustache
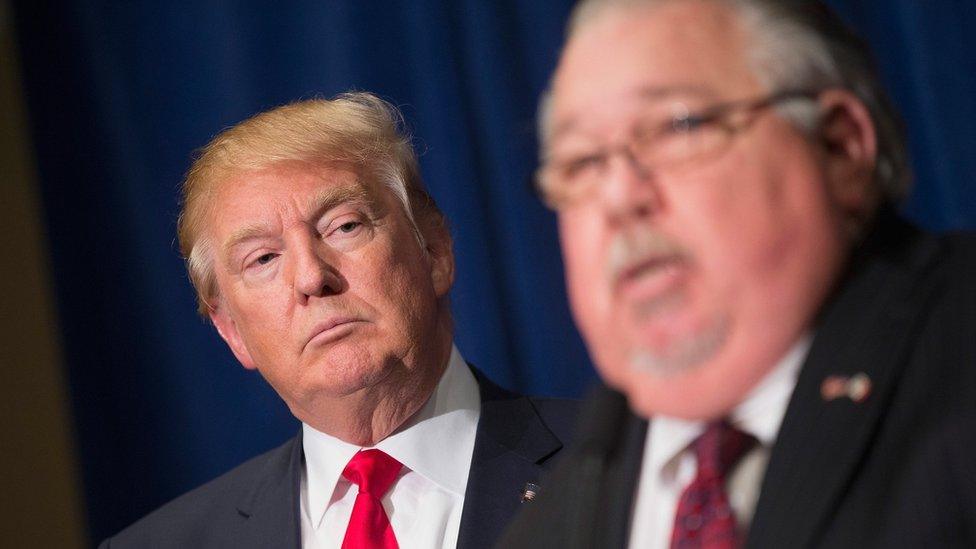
{"points": [[632, 248]]}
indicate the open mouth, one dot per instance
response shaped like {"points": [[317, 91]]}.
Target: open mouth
{"points": [[651, 277]]}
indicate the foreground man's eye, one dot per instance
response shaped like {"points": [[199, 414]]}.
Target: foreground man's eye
{"points": [[687, 124]]}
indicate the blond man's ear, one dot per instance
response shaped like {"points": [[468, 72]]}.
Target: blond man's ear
{"points": [[441, 253], [227, 328]]}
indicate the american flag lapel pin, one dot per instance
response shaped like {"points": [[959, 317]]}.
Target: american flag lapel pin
{"points": [[856, 387], [529, 491]]}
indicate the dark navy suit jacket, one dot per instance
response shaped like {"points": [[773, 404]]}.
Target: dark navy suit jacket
{"points": [[937, 503], [257, 504]]}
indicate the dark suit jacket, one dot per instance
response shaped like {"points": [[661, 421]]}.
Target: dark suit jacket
{"points": [[905, 315], [257, 504], [937, 505]]}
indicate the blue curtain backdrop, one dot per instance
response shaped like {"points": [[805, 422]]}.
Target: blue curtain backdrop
{"points": [[121, 93]]}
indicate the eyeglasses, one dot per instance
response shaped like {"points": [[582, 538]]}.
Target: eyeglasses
{"points": [[684, 138]]}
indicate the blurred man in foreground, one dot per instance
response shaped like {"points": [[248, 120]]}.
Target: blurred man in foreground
{"points": [[724, 174], [325, 265]]}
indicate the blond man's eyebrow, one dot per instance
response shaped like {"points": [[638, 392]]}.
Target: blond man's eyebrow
{"points": [[245, 233], [322, 202], [339, 194]]}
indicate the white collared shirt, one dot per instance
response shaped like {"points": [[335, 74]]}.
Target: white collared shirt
{"points": [[669, 465], [424, 504]]}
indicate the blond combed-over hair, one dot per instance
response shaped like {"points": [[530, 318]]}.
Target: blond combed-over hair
{"points": [[355, 128]]}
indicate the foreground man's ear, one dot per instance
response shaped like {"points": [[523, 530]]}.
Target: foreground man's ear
{"points": [[227, 329], [851, 148]]}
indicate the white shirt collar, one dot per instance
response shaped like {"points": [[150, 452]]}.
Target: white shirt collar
{"points": [[448, 420], [759, 414]]}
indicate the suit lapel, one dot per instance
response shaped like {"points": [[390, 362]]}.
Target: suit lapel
{"points": [[511, 443], [614, 506], [821, 443], [270, 509]]}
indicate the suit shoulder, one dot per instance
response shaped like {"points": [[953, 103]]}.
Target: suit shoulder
{"points": [[962, 239], [191, 517], [956, 271], [559, 414], [507, 408], [936, 505], [961, 253]]}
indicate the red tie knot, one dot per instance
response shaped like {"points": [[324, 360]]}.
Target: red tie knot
{"points": [[373, 471], [720, 447]]}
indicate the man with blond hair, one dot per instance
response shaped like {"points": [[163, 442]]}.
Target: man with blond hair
{"points": [[325, 265], [775, 340]]}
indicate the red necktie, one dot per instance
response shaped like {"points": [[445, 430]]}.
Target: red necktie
{"points": [[374, 472], [704, 519]]}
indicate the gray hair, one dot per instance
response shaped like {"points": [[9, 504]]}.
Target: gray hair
{"points": [[797, 45]]}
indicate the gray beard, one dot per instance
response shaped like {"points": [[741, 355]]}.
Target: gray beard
{"points": [[681, 355]]}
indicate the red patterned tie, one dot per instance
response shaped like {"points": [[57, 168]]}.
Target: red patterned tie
{"points": [[374, 472], [704, 519]]}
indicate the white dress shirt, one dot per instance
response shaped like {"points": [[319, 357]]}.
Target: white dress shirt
{"points": [[424, 503], [669, 464]]}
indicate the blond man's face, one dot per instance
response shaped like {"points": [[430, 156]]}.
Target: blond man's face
{"points": [[323, 285]]}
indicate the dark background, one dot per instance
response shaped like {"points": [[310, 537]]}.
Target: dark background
{"points": [[119, 94]]}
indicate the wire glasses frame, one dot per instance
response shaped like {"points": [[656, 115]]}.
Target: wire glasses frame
{"points": [[685, 138]]}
